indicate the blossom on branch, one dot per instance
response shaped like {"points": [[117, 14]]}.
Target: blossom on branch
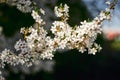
{"points": [[37, 45]]}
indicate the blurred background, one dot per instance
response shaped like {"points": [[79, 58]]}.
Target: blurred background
{"points": [[69, 64]]}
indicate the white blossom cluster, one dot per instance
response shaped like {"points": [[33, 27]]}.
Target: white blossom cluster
{"points": [[22, 5], [36, 17], [62, 11], [46, 65], [81, 37], [38, 45]]}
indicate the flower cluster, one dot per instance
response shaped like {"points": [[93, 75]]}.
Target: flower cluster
{"points": [[36, 17], [22, 5], [81, 37], [62, 11], [38, 45], [38, 42]]}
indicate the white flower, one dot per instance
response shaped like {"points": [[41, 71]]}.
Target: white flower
{"points": [[47, 55], [23, 46], [102, 16], [108, 2], [66, 8], [107, 10], [34, 14], [92, 51], [22, 30], [98, 47], [82, 49], [36, 17], [57, 27], [57, 12], [62, 11], [42, 11], [39, 20]]}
